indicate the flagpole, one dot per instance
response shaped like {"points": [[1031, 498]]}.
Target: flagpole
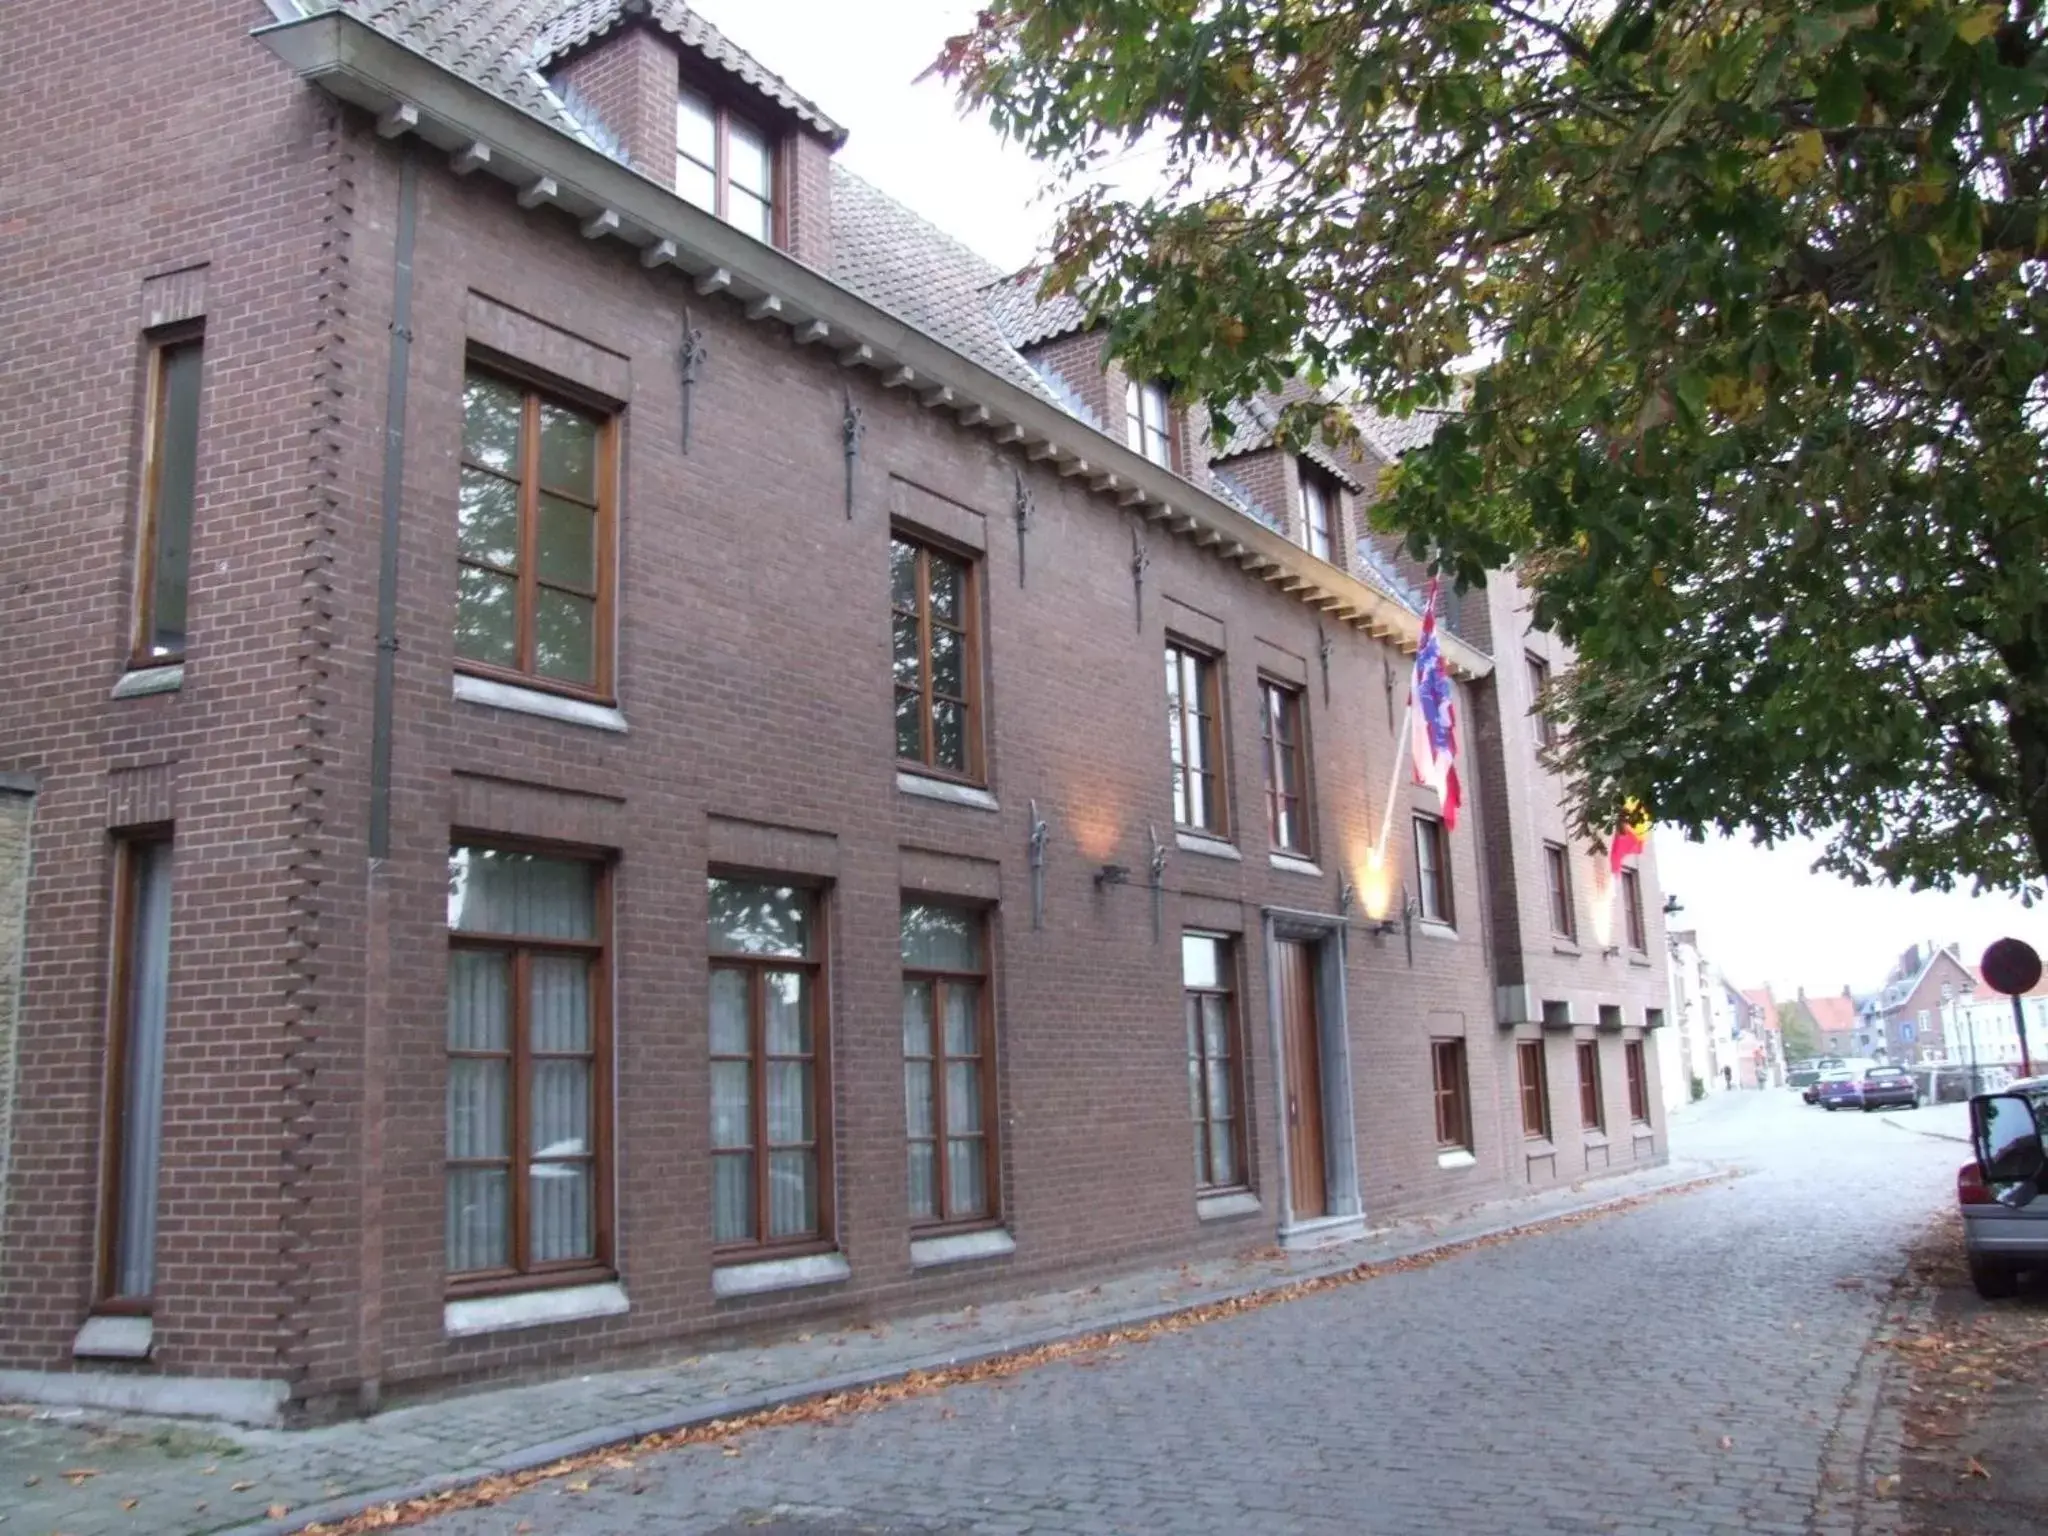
{"points": [[1394, 778]]}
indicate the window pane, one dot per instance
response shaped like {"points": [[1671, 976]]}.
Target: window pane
{"points": [[963, 1019], [729, 1027], [967, 1173], [479, 1000], [948, 586], [486, 617], [949, 736], [917, 1018], [561, 1223], [902, 574], [1201, 960], [963, 1097], [568, 452], [924, 1180], [565, 636], [567, 552], [177, 455], [732, 1197], [745, 211], [479, 1108], [1222, 1154], [559, 1113], [492, 411], [910, 726], [748, 160], [479, 1219], [696, 128], [1216, 1034], [941, 938], [949, 664], [498, 890], [487, 520], [791, 1111], [560, 1003], [907, 654], [149, 961], [918, 1113], [792, 1193], [787, 1000], [732, 1104], [749, 918], [696, 185]]}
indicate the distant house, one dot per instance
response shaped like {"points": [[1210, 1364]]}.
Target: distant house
{"points": [[1832, 1021]]}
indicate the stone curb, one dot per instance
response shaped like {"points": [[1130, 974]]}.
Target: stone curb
{"points": [[1914, 1130], [1690, 1176]]}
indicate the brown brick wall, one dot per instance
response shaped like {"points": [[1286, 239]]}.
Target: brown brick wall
{"points": [[628, 78], [17, 806]]}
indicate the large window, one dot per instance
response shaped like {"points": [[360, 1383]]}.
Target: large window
{"points": [[1557, 870], [1632, 910], [170, 459], [533, 599], [528, 1160], [768, 1107], [1318, 514], [135, 1072], [1532, 1073], [949, 1095], [1539, 683], [1214, 1089], [1591, 1115], [724, 164], [1286, 759], [936, 659], [1194, 725], [1148, 421], [1638, 1082], [1433, 870], [1453, 1110]]}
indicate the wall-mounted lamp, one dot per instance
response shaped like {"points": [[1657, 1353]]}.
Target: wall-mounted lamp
{"points": [[1610, 951], [1039, 832], [1157, 882], [1672, 907], [1112, 874], [1347, 895]]}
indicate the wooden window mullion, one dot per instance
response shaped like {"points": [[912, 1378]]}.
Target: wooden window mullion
{"points": [[757, 1076], [521, 1128], [927, 729], [529, 526]]}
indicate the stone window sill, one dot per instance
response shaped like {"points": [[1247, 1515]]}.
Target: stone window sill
{"points": [[961, 1248], [1456, 1157], [536, 701], [114, 1338], [1220, 1207], [1208, 847], [1565, 947], [1596, 1138], [945, 790], [1639, 958], [1430, 928], [730, 1280], [1294, 864], [532, 1309], [144, 681]]}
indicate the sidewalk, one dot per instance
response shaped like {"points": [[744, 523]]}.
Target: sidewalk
{"points": [[79, 1474]]}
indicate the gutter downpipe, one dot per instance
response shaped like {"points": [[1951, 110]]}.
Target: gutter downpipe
{"points": [[394, 473]]}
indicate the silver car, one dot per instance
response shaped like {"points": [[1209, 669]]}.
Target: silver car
{"points": [[2005, 1227]]}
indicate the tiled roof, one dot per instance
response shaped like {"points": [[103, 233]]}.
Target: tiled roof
{"points": [[1025, 318], [920, 274], [1243, 500], [504, 44], [1392, 436], [1985, 994], [1833, 1013]]}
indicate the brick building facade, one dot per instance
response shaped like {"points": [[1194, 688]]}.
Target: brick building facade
{"points": [[492, 910]]}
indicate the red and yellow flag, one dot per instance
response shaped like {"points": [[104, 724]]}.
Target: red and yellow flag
{"points": [[1632, 836]]}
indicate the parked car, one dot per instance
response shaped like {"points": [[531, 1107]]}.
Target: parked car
{"points": [[1839, 1089], [1805, 1076], [2005, 1225], [1889, 1085]]}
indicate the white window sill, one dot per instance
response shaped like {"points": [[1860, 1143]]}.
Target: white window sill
{"points": [[536, 701], [147, 680], [962, 1248], [1431, 928], [731, 1280], [1294, 865], [532, 1309], [1209, 847], [1456, 1157], [1595, 1138], [114, 1338], [1565, 947], [1222, 1207], [945, 790], [1641, 959]]}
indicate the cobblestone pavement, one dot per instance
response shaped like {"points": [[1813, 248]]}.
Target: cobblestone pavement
{"points": [[1696, 1365]]}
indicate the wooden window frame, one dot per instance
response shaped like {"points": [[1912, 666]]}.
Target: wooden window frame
{"points": [[126, 894], [1534, 1088], [1450, 1085], [1207, 720], [160, 343], [1539, 681], [1318, 489], [1271, 750], [723, 115], [1437, 891], [1557, 883], [1634, 926], [534, 389], [1638, 1082], [970, 631], [1592, 1102], [754, 967], [1233, 1066], [521, 1276], [1140, 431], [991, 1149]]}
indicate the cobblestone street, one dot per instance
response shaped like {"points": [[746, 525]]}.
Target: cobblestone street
{"points": [[1700, 1364]]}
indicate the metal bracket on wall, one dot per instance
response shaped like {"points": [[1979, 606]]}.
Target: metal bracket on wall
{"points": [[1023, 509], [690, 361], [1387, 680], [851, 429], [1324, 646], [1039, 832], [1158, 882], [1141, 561]]}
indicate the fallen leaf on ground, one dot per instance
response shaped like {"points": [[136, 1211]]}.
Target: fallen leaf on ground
{"points": [[1972, 1467], [1727, 1442], [278, 1511], [76, 1476], [242, 1487], [130, 1503], [578, 1485]]}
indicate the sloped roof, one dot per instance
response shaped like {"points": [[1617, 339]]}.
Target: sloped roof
{"points": [[1025, 318], [1392, 436], [1834, 1013], [503, 45], [1985, 993]]}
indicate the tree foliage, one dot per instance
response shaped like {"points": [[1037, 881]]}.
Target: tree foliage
{"points": [[1739, 309]]}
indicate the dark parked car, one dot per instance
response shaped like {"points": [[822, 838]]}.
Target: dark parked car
{"points": [[1839, 1089], [2005, 1225], [1889, 1085], [1805, 1076]]}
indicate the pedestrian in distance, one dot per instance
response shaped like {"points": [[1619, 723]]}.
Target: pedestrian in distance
{"points": [[1728, 1076]]}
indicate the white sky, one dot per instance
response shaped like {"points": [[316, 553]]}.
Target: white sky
{"points": [[1761, 913]]}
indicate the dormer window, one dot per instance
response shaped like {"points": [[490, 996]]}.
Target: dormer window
{"points": [[724, 164], [1147, 426], [1318, 500]]}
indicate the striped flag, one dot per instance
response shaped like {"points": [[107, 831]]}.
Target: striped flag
{"points": [[1434, 739]]}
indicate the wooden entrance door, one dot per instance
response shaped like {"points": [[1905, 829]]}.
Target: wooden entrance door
{"points": [[1304, 1107]]}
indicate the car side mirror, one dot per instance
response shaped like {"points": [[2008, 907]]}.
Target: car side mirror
{"points": [[2007, 1136]]}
